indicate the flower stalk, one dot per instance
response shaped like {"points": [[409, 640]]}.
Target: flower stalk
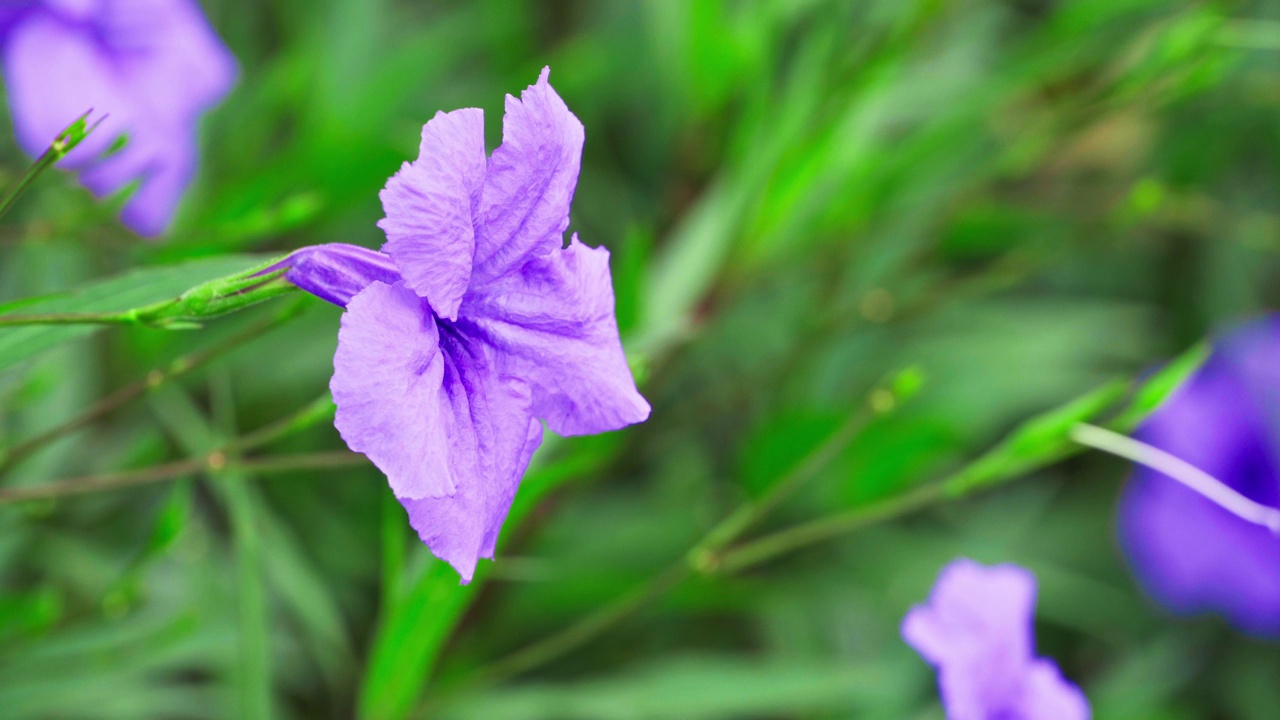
{"points": [[1201, 482], [190, 310], [62, 145]]}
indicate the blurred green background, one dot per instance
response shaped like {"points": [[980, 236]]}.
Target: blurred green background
{"points": [[1020, 199]]}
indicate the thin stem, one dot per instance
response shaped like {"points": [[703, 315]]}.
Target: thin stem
{"points": [[176, 369], [785, 541], [1208, 486], [586, 629], [63, 144], [119, 318], [1008, 460], [214, 462], [703, 557], [206, 301], [704, 554], [253, 668], [318, 410]]}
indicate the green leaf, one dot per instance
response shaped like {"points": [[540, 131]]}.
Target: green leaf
{"points": [[1161, 385], [411, 638], [1039, 441], [413, 631], [133, 289], [705, 688]]}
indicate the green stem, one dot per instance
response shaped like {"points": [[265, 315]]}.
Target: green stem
{"points": [[171, 471], [117, 318], [1043, 440], [805, 534], [310, 415], [206, 301], [64, 143], [705, 555], [586, 629], [885, 398], [1037, 443], [253, 666], [176, 369]]}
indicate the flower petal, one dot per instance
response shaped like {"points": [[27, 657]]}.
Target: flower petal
{"points": [[54, 73], [1049, 696], [463, 528], [552, 323], [422, 401], [976, 629], [1190, 554], [172, 62], [164, 179], [151, 66], [524, 207], [430, 206], [336, 272], [388, 374]]}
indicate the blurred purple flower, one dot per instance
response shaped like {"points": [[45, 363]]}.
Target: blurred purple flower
{"points": [[977, 631], [1189, 553], [474, 322], [151, 66]]}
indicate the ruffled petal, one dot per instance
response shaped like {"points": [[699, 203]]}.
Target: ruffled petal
{"points": [[420, 400], [976, 629], [428, 408], [1049, 696], [552, 323], [430, 206], [464, 527], [336, 272], [388, 377], [524, 206]]}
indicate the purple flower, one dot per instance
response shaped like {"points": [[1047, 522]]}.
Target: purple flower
{"points": [[151, 66], [1191, 554], [474, 322], [977, 631]]}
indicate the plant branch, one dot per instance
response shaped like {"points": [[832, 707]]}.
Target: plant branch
{"points": [[118, 318], [1039, 442], [586, 629], [208, 300], [705, 554], [214, 462], [63, 144], [316, 411], [174, 370]]}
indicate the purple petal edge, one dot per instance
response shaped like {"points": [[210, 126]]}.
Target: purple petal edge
{"points": [[976, 630], [336, 272], [529, 185], [1189, 554], [552, 322], [430, 208]]}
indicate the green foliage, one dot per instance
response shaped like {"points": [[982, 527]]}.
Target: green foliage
{"points": [[135, 289], [1027, 203]]}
